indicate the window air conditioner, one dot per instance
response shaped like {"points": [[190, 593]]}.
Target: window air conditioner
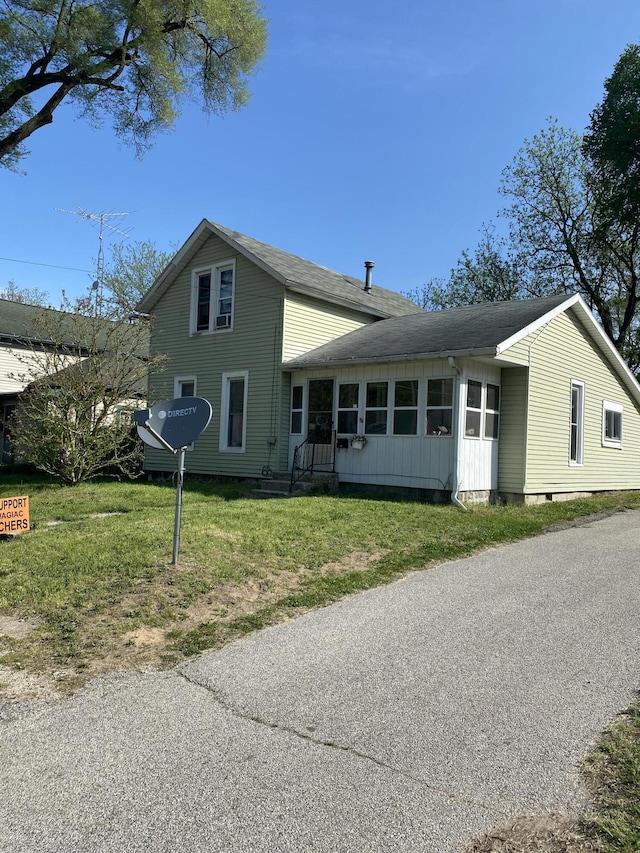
{"points": [[223, 320]]}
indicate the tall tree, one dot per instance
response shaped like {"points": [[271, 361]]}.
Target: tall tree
{"points": [[132, 59], [84, 372], [565, 235], [612, 142]]}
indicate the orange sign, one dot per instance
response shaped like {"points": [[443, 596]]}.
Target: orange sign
{"points": [[14, 515]]}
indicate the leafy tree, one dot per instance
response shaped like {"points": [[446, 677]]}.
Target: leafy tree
{"points": [[25, 295], [565, 234], [491, 274], [133, 59], [612, 142], [131, 272], [561, 227], [74, 418]]}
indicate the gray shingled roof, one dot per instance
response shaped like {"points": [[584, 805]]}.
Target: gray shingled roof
{"points": [[18, 320], [299, 274], [470, 329], [293, 272]]}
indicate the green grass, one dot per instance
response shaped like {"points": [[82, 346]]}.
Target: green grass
{"points": [[103, 569]]}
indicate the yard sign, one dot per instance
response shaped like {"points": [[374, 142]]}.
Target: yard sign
{"points": [[14, 515]]}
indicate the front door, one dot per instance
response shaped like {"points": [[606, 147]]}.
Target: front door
{"points": [[320, 419]]}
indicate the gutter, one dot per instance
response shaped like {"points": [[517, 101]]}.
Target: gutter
{"points": [[296, 364]]}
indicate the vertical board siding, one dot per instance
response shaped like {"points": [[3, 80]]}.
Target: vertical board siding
{"points": [[309, 324], [562, 352], [417, 462], [513, 429], [254, 344]]}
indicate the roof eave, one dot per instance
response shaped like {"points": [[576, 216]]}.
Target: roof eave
{"points": [[484, 352]]}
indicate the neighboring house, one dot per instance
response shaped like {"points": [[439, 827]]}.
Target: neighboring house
{"points": [[528, 399], [20, 335], [30, 335]]}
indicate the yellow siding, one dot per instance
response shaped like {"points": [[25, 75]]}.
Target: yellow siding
{"points": [[563, 352], [309, 324], [254, 345], [513, 429]]}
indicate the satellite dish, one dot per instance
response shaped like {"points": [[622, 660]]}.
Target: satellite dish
{"points": [[179, 422]]}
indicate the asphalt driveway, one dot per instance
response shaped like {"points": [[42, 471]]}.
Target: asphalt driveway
{"points": [[407, 718]]}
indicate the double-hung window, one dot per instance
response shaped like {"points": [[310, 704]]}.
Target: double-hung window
{"points": [[405, 407], [296, 409], [233, 411], [492, 411], [473, 413], [439, 406], [375, 413], [212, 298], [576, 425], [348, 400], [611, 424]]}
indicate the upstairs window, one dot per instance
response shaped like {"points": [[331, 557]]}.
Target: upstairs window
{"points": [[212, 298], [611, 424]]}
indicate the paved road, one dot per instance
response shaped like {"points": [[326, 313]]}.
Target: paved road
{"points": [[407, 718]]}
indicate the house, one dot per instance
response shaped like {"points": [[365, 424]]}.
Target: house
{"points": [[527, 400], [44, 345], [20, 338]]}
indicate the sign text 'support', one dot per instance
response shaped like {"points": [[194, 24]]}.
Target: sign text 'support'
{"points": [[14, 515]]}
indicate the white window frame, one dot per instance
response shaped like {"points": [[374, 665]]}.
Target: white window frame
{"points": [[579, 386], [177, 386], [615, 408], [476, 436], [224, 411], [414, 408], [215, 271], [439, 408], [368, 408], [348, 410], [488, 411], [298, 411]]}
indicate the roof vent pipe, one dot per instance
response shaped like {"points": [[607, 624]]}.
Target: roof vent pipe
{"points": [[368, 265]]}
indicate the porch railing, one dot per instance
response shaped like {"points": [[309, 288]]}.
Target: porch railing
{"points": [[311, 456]]}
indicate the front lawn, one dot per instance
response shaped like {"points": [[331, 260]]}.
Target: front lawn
{"points": [[95, 578]]}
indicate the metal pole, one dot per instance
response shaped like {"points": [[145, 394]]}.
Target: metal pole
{"points": [[176, 530]]}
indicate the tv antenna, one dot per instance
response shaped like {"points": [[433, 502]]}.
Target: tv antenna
{"points": [[99, 219]]}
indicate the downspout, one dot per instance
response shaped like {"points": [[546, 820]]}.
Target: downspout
{"points": [[457, 432]]}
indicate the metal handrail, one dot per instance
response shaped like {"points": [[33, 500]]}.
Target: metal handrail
{"points": [[306, 462]]}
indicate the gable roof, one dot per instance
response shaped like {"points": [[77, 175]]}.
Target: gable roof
{"points": [[294, 273], [487, 329], [467, 330]]}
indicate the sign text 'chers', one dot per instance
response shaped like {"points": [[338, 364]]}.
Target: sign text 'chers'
{"points": [[14, 515]]}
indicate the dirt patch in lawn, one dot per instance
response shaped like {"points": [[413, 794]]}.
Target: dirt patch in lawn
{"points": [[104, 645]]}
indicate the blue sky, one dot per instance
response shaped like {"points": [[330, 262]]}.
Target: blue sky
{"points": [[375, 131]]}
